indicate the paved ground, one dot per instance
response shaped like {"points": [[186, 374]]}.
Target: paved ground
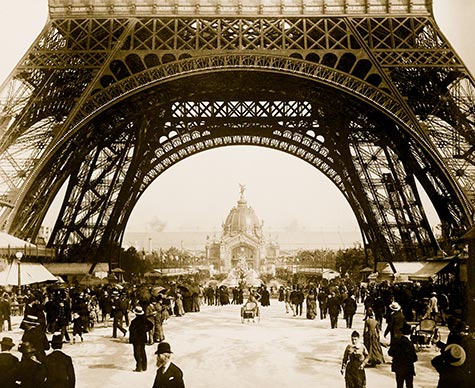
{"points": [[214, 349]]}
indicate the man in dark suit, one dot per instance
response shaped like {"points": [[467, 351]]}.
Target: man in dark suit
{"points": [[395, 323], [168, 374], [59, 366], [35, 334], [138, 330], [31, 371], [8, 364], [404, 356], [117, 314], [334, 308]]}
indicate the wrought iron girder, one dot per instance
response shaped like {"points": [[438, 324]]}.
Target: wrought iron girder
{"points": [[244, 110], [90, 199], [45, 87], [372, 165], [406, 41], [75, 44], [271, 8], [246, 63], [231, 33], [444, 101], [437, 188], [28, 217]]}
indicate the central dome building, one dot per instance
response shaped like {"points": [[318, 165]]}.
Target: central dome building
{"points": [[242, 238]]}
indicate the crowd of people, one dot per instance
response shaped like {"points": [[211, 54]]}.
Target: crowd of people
{"points": [[69, 313], [399, 307]]}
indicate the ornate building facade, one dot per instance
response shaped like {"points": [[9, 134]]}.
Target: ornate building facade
{"points": [[242, 238]]}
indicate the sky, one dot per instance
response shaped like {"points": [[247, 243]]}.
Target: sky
{"points": [[198, 192]]}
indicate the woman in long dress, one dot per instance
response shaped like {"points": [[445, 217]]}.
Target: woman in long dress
{"points": [[311, 304], [354, 361], [371, 339]]}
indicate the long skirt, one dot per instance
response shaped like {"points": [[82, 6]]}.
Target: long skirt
{"points": [[372, 342], [355, 377], [311, 309]]}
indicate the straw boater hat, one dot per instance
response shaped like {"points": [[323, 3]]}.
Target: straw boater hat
{"points": [[395, 306], [31, 320], [454, 354], [138, 310], [26, 348], [7, 342]]}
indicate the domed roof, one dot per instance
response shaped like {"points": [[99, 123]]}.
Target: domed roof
{"points": [[242, 219]]}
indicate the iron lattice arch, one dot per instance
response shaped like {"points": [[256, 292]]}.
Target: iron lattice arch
{"points": [[107, 102]]}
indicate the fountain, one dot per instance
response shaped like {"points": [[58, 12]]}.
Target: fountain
{"points": [[242, 275]]}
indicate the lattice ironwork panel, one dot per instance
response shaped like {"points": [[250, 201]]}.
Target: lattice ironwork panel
{"points": [[201, 34], [94, 191], [400, 42]]}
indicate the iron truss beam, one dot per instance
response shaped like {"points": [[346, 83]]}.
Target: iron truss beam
{"points": [[66, 116], [134, 8]]}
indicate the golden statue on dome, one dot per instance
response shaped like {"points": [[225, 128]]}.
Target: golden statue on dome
{"points": [[242, 188]]}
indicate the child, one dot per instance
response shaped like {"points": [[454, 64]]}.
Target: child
{"points": [[78, 327]]}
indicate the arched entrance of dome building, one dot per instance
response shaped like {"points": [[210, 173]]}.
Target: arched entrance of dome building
{"points": [[245, 253]]}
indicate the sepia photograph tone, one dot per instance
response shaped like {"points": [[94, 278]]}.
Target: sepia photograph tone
{"points": [[237, 193]]}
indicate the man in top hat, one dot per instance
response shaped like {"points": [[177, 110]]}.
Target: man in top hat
{"points": [[138, 329], [395, 323], [59, 366], [8, 364], [168, 374], [35, 334]]}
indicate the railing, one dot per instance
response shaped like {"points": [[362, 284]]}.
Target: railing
{"points": [[101, 8]]}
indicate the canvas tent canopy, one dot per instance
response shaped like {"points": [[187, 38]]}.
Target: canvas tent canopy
{"points": [[429, 271], [7, 240], [30, 273], [10, 245]]}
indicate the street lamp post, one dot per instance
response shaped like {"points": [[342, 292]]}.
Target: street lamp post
{"points": [[19, 255]]}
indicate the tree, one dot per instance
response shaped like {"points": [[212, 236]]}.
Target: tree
{"points": [[133, 263], [350, 261], [318, 258]]}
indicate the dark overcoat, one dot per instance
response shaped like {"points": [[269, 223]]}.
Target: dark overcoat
{"points": [[8, 370], [172, 378], [59, 370]]}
